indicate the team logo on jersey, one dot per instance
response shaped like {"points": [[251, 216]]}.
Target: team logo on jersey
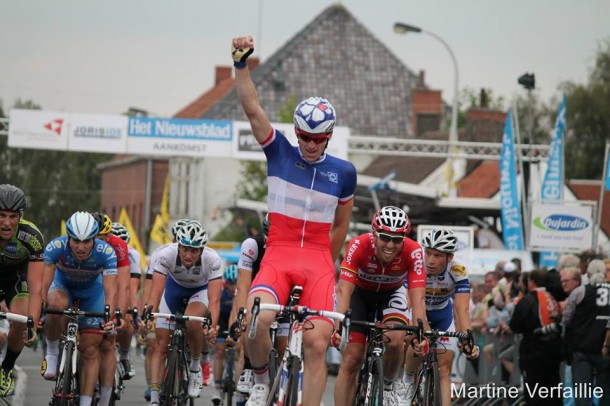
{"points": [[196, 271], [459, 270], [109, 250], [57, 243], [333, 177], [299, 165]]}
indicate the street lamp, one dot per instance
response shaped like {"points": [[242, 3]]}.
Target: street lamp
{"points": [[401, 28]]}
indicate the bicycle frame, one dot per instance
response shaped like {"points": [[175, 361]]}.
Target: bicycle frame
{"points": [[175, 383], [66, 390], [289, 385]]}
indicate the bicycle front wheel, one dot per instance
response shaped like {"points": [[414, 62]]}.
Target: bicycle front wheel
{"points": [[292, 385], [68, 389], [170, 377], [374, 385], [431, 388]]}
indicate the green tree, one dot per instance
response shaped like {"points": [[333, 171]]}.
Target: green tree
{"points": [[57, 183], [588, 121]]}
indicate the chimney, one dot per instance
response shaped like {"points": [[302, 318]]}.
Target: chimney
{"points": [[222, 73], [421, 79]]}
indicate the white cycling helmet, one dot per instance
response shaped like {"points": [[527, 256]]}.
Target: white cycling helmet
{"points": [[82, 226], [192, 234], [315, 115], [120, 231], [392, 219], [178, 225], [441, 239]]}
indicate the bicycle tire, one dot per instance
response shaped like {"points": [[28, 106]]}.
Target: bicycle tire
{"points": [[374, 390], [431, 387], [273, 366], [67, 384], [229, 379], [167, 389], [292, 385]]}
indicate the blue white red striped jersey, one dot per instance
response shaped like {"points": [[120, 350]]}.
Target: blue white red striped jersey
{"points": [[303, 196]]}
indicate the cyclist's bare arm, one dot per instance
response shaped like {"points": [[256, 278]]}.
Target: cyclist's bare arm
{"points": [[461, 312], [214, 292], [49, 273], [244, 280], [35, 285], [110, 291], [339, 228], [417, 301], [246, 92], [158, 285]]}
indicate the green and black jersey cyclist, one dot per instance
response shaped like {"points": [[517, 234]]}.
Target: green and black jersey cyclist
{"points": [[21, 270]]}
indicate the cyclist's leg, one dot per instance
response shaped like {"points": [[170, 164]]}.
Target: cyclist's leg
{"points": [[57, 298], [124, 341], [259, 348], [16, 298], [315, 344], [157, 362], [445, 363], [107, 367], [351, 360], [89, 345], [394, 312]]}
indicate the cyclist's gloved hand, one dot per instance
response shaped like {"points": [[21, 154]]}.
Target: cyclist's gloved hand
{"points": [[241, 49], [471, 351], [335, 339], [420, 349]]}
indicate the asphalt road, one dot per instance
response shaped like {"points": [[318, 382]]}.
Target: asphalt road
{"points": [[33, 390]]}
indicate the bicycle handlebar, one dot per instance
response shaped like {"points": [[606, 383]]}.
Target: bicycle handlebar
{"points": [[19, 318], [301, 310], [74, 313], [180, 317]]}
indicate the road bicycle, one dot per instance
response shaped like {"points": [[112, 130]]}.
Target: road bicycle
{"points": [[66, 391], [427, 386], [228, 376], [369, 388], [174, 390], [288, 383]]}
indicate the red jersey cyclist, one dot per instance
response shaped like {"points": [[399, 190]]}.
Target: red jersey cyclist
{"points": [[372, 278]]}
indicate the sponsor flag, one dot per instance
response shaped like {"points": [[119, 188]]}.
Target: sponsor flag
{"points": [[552, 186], [159, 232], [512, 227]]}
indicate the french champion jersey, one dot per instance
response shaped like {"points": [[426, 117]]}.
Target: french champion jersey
{"points": [[207, 268], [441, 289], [303, 196], [362, 268], [101, 261], [134, 262]]}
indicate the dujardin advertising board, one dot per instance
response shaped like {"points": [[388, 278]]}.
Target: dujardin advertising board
{"points": [[562, 227]]}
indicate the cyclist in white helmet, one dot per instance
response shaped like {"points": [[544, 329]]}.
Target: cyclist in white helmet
{"points": [[447, 295], [187, 270]]}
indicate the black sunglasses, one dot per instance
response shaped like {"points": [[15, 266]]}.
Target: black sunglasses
{"points": [[396, 239]]}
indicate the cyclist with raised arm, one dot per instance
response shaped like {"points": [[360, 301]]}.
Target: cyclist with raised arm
{"points": [[372, 278], [108, 349], [310, 199], [186, 271], [21, 270], [79, 267], [447, 307], [227, 297], [135, 274]]}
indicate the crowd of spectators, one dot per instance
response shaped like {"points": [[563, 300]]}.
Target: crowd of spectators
{"points": [[545, 327]]}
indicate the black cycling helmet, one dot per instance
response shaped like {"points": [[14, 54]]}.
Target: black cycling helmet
{"points": [[11, 198]]}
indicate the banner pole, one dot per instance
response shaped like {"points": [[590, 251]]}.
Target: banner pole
{"points": [[602, 191], [518, 150]]}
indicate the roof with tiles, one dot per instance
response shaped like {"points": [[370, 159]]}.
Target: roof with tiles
{"points": [[334, 57], [590, 190]]}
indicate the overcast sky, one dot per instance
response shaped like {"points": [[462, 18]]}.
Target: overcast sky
{"points": [[159, 55]]}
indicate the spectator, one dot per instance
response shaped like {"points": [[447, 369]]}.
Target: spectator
{"points": [[539, 355], [586, 330]]}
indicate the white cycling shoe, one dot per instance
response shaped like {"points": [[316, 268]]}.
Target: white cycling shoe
{"points": [[258, 395], [195, 383]]}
